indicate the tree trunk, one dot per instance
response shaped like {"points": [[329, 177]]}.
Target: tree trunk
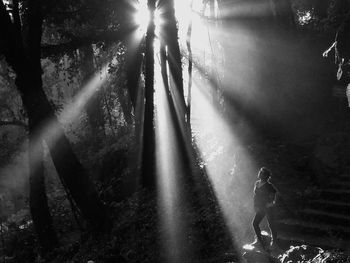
{"points": [[170, 37], [37, 194], [190, 77], [40, 112], [134, 60], [133, 67], [148, 152]]}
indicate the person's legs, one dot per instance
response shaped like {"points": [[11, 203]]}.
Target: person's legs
{"points": [[256, 221], [272, 225]]}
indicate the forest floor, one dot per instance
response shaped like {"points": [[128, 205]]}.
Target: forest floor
{"points": [[139, 233]]}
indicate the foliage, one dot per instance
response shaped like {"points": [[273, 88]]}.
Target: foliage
{"points": [[308, 254]]}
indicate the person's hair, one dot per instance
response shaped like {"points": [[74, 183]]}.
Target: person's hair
{"points": [[264, 173]]}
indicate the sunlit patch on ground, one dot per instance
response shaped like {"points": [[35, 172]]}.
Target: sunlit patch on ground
{"points": [[248, 247]]}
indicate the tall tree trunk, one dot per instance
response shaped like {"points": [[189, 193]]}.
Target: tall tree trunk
{"points": [[135, 45], [190, 68], [134, 60], [148, 152], [133, 66], [169, 35], [39, 110], [37, 194]]}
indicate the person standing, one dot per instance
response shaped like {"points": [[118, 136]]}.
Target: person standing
{"points": [[264, 200]]}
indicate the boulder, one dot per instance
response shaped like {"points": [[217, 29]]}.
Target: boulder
{"points": [[311, 254], [302, 253]]}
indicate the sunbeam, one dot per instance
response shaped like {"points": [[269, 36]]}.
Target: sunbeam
{"points": [[229, 166], [219, 146], [169, 171], [51, 132], [223, 156]]}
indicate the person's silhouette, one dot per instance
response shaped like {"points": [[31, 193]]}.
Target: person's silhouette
{"points": [[264, 200]]}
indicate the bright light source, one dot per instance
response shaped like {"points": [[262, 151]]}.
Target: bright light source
{"points": [[142, 16]]}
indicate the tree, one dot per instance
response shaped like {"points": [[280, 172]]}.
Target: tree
{"points": [[38, 200], [25, 59], [148, 150]]}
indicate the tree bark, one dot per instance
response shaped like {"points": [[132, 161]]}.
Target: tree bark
{"points": [[133, 67], [190, 68], [134, 59], [37, 194], [169, 35], [40, 113], [148, 151]]}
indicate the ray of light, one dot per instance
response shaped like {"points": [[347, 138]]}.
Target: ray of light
{"points": [[219, 146], [221, 149], [226, 161], [169, 169], [235, 60], [50, 130], [73, 110]]}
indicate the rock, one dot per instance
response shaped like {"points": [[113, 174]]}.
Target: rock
{"points": [[302, 253]]}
